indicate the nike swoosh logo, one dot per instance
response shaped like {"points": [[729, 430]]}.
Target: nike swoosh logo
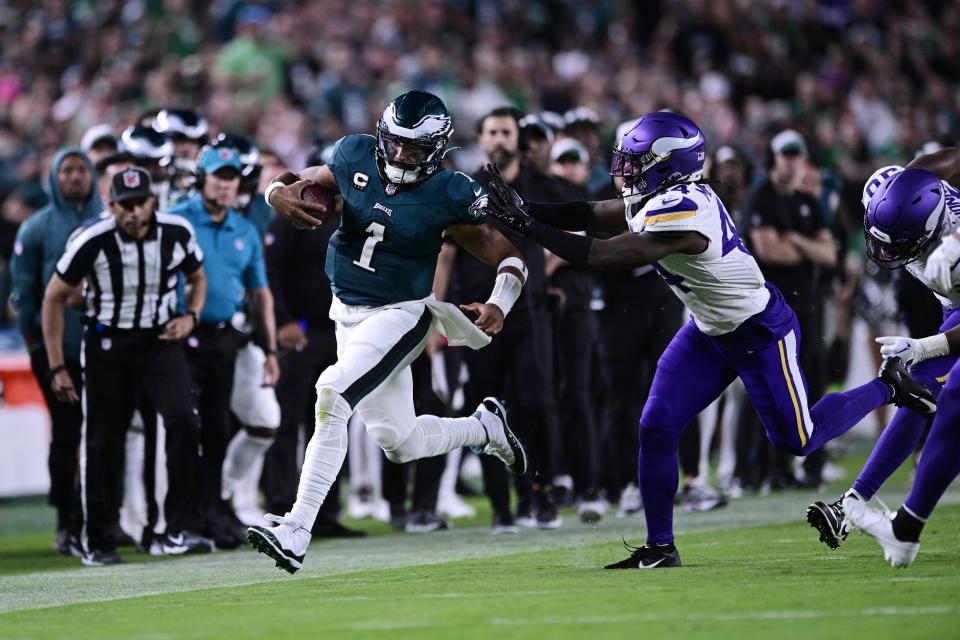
{"points": [[477, 192], [651, 566], [178, 540]]}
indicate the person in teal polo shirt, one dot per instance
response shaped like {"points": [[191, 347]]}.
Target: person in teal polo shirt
{"points": [[235, 275]]}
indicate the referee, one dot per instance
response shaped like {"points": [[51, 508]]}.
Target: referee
{"points": [[130, 261]]}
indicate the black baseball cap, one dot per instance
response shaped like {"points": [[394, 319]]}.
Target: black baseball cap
{"points": [[130, 183]]}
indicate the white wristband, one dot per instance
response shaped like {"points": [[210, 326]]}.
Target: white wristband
{"points": [[506, 290], [516, 263], [931, 347], [276, 184]]}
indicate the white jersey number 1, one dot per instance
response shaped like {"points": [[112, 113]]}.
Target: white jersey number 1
{"points": [[366, 254]]}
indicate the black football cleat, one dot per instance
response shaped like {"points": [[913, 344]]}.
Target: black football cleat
{"points": [[658, 556], [907, 392], [831, 521], [101, 557]]}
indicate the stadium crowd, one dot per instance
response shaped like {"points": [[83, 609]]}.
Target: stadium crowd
{"points": [[798, 104]]}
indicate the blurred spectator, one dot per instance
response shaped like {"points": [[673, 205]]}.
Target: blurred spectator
{"points": [[792, 243], [98, 142], [40, 243]]}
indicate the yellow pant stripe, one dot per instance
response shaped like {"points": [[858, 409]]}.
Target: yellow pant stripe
{"points": [[793, 395], [667, 217], [943, 379]]}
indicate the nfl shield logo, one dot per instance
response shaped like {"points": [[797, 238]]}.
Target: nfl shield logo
{"points": [[225, 154], [131, 179], [238, 244], [391, 189]]}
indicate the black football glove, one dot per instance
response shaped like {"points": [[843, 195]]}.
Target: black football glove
{"points": [[504, 203]]}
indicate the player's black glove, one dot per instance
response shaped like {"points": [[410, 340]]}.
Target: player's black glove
{"points": [[504, 203]]}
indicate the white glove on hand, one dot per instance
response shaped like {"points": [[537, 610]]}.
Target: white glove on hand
{"points": [[940, 263], [914, 351], [898, 346]]}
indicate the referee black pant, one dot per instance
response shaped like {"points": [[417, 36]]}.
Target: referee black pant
{"points": [[118, 366]]}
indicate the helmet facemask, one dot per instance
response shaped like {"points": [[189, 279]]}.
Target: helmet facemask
{"points": [[412, 137]]}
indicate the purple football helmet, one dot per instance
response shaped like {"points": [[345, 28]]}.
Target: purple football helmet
{"points": [[659, 150], [904, 218]]}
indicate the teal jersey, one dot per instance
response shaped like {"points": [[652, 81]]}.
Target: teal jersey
{"points": [[386, 248]]}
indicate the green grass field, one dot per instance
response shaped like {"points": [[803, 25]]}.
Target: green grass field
{"points": [[753, 570]]}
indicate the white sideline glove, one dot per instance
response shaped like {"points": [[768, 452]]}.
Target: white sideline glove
{"points": [[913, 351], [940, 263]]}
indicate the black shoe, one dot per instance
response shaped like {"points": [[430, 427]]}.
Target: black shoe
{"points": [[120, 536], [336, 530], [224, 527], [398, 518], [175, 544], [101, 557], [658, 556], [831, 521], [68, 544], [525, 513], [907, 392], [425, 522], [504, 523], [547, 515]]}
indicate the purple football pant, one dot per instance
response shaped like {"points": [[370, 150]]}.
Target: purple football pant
{"points": [[940, 461], [694, 371], [907, 428]]}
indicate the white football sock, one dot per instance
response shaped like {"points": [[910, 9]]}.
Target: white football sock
{"points": [[324, 456], [433, 436]]}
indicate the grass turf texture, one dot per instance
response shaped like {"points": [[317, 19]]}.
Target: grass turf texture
{"points": [[753, 570]]}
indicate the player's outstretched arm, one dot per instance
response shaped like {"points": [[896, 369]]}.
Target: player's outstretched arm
{"points": [[945, 164], [605, 215], [621, 252], [491, 247], [283, 194]]}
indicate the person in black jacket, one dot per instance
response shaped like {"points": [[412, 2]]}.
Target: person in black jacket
{"points": [[523, 351]]}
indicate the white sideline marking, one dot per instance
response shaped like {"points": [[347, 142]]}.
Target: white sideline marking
{"points": [[337, 558], [738, 616]]}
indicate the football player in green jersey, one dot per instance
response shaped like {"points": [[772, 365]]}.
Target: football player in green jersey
{"points": [[398, 205]]}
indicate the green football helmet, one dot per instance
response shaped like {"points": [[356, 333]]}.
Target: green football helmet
{"points": [[412, 137]]}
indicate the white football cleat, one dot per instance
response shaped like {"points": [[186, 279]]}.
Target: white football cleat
{"points": [[879, 526], [286, 543], [501, 441]]}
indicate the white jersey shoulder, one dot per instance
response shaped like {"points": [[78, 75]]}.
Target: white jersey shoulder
{"points": [[722, 285]]}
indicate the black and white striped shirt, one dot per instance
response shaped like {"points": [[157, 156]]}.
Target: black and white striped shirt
{"points": [[131, 284]]}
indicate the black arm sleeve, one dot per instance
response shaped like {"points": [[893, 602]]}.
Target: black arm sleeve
{"points": [[571, 247], [571, 216]]}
